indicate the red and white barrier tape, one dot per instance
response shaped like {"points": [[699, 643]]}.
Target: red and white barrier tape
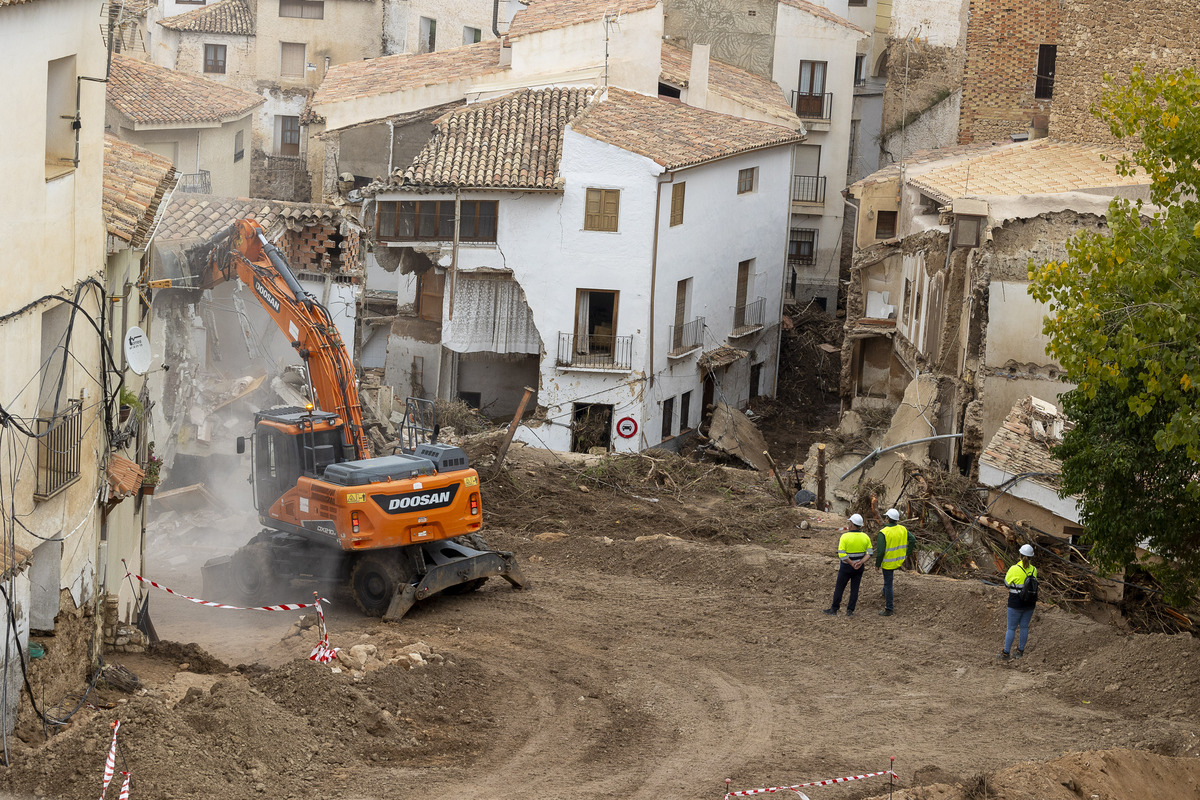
{"points": [[125, 787], [110, 763], [798, 786], [322, 653]]}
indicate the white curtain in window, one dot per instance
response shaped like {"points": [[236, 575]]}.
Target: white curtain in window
{"points": [[490, 316], [582, 340]]}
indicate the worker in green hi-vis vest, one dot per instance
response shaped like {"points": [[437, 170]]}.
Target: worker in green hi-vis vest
{"points": [[891, 548]]}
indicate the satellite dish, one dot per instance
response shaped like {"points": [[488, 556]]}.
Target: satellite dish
{"points": [[137, 350]]}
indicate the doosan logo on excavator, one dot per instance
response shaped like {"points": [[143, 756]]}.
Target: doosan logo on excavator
{"points": [[271, 300], [416, 501]]}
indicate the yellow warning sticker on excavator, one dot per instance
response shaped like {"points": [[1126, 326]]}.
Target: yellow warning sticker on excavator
{"points": [[356, 497], [471, 480]]}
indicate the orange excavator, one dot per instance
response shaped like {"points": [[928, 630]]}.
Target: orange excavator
{"points": [[396, 528]]}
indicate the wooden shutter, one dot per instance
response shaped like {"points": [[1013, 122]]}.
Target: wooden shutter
{"points": [[677, 203], [611, 200]]}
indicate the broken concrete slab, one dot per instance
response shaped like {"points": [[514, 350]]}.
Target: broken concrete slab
{"points": [[188, 498], [732, 432]]}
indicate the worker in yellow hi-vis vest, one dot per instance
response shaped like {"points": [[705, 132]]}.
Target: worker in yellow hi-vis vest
{"points": [[854, 550], [891, 548]]}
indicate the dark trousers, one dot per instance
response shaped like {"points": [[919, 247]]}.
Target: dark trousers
{"points": [[847, 574], [888, 575]]}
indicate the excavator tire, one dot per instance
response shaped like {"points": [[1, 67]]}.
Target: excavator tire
{"points": [[475, 542], [374, 581], [252, 574]]}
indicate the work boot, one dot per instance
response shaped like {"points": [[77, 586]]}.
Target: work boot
{"points": [[849, 613], [830, 611], [1020, 653], [1003, 655], [887, 612]]}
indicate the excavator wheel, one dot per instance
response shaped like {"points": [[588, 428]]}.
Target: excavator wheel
{"points": [[475, 542], [374, 580], [252, 574]]}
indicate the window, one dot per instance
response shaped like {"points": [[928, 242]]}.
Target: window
{"points": [[471, 35], [302, 9], [853, 147], [885, 224], [810, 97], [289, 136], [742, 292], [59, 420], [668, 417], [857, 3], [291, 59], [214, 58], [433, 220], [603, 207], [595, 322], [685, 411], [747, 178], [428, 40], [60, 111], [677, 203], [755, 380], [860, 77], [239, 146], [802, 247], [1043, 88], [683, 294]]}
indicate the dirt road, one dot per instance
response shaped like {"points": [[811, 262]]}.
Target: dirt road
{"points": [[635, 668]]}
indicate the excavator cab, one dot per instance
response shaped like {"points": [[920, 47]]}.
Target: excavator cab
{"points": [[290, 443]]}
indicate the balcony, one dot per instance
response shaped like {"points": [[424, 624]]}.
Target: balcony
{"points": [[595, 352], [196, 182], [686, 338], [749, 318], [808, 189], [813, 106]]}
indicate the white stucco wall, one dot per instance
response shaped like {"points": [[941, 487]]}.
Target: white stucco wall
{"points": [[402, 22], [1014, 330], [940, 23], [210, 147]]}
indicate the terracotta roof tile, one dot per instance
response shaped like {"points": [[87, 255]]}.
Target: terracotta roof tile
{"points": [[736, 84], [135, 181], [1043, 166], [202, 216], [375, 76], [673, 134], [823, 13], [546, 15], [512, 142], [227, 16], [1023, 442], [147, 93]]}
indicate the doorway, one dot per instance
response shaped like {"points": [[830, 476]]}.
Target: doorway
{"points": [[591, 426]]}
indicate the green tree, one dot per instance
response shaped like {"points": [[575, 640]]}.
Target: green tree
{"points": [[1125, 326]]}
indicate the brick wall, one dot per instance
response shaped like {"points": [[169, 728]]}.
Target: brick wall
{"points": [[321, 248], [1099, 36], [1001, 66]]}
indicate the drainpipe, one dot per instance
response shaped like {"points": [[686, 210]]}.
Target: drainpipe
{"points": [[496, 18], [392, 144], [654, 267]]}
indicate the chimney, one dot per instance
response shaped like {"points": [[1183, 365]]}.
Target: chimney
{"points": [[697, 92]]}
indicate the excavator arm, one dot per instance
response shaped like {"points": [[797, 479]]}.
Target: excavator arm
{"points": [[243, 252]]}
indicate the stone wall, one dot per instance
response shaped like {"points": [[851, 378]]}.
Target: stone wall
{"points": [[1109, 36], [279, 178], [1001, 67]]}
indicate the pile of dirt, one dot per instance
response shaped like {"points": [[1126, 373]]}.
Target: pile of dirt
{"points": [[672, 638]]}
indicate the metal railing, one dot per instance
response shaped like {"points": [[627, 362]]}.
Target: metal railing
{"points": [[196, 182], [595, 351], [58, 441], [813, 106], [749, 316], [808, 189], [687, 337], [860, 81]]}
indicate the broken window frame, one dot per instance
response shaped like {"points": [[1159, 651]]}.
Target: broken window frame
{"points": [[433, 220], [882, 229]]}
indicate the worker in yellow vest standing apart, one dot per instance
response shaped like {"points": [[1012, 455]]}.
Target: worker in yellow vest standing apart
{"points": [[1020, 609], [854, 549], [891, 548]]}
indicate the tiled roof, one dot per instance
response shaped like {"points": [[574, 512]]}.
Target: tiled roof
{"points": [[1023, 442], [673, 134], [743, 87], [823, 13], [202, 216], [1043, 166], [147, 93], [135, 181], [546, 15], [512, 142], [227, 16], [375, 76]]}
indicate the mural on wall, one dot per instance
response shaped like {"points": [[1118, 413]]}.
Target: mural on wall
{"points": [[739, 33]]}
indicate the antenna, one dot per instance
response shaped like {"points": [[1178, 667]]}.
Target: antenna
{"points": [[613, 20]]}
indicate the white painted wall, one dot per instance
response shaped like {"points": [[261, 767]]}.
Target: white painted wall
{"points": [[402, 22], [940, 23], [1014, 330]]}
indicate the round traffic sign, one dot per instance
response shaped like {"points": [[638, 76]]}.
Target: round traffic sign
{"points": [[626, 427]]}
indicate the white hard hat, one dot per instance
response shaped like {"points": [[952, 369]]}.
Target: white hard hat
{"points": [[856, 519], [1027, 550], [893, 515]]}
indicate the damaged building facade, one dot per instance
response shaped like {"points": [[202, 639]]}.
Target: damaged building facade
{"points": [[940, 325], [591, 260]]}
